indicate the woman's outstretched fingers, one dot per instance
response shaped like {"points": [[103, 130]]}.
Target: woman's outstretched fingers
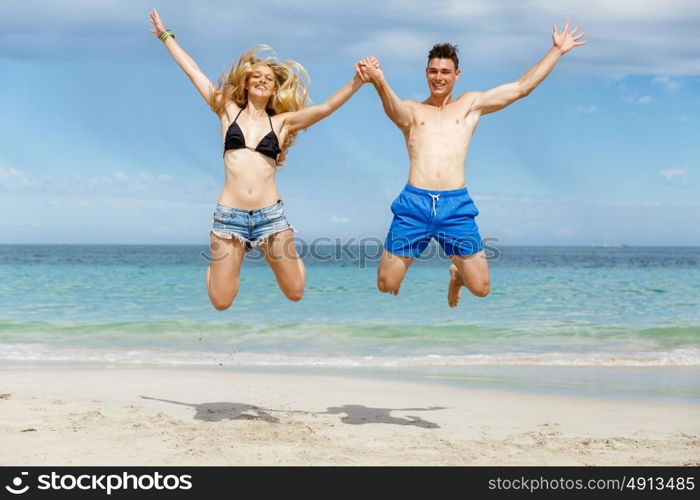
{"points": [[155, 19]]}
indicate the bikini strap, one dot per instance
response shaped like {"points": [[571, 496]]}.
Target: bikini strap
{"points": [[239, 114], [271, 127]]}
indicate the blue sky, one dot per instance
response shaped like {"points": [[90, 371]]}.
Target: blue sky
{"points": [[104, 140]]}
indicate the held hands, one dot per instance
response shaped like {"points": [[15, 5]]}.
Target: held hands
{"points": [[369, 69], [358, 73], [566, 41], [158, 27]]}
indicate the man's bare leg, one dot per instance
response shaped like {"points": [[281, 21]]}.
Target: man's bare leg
{"points": [[471, 271], [391, 272]]}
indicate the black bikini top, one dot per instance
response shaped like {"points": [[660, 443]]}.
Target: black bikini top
{"points": [[268, 145]]}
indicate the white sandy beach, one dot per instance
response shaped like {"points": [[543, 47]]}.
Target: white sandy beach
{"points": [[104, 417]]}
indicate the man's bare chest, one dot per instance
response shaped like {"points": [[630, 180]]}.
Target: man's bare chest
{"points": [[451, 121]]}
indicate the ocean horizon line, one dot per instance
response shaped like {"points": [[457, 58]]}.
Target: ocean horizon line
{"points": [[343, 242]]}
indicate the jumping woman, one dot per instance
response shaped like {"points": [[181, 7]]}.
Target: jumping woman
{"points": [[260, 103]]}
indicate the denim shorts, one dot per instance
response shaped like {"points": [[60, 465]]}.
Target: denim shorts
{"points": [[252, 227], [447, 216]]}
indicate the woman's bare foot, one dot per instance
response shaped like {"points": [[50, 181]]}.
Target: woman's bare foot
{"points": [[454, 289]]}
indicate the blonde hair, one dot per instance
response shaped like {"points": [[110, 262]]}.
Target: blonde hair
{"points": [[291, 83]]}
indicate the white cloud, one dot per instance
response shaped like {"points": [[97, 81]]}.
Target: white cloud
{"points": [[669, 84], [624, 37], [634, 99], [339, 220], [627, 10], [119, 183], [565, 231], [9, 173], [587, 109], [531, 200], [57, 202], [13, 179], [671, 173], [395, 44]]}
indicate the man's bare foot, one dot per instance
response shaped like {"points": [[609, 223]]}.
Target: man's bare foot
{"points": [[380, 286], [454, 289]]}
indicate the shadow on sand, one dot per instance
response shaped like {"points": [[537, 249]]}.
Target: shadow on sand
{"points": [[216, 412], [353, 414]]}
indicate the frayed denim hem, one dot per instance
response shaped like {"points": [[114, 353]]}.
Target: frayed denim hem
{"points": [[229, 235], [266, 237]]}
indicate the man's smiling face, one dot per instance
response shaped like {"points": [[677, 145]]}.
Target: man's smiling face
{"points": [[442, 75]]}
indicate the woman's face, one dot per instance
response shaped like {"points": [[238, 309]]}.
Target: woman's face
{"points": [[261, 82]]}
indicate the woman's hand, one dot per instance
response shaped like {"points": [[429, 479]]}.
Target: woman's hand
{"points": [[158, 27], [359, 73]]}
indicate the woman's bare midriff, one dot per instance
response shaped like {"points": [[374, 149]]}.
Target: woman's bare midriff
{"points": [[249, 180]]}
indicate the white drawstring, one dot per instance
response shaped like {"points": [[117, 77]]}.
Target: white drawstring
{"points": [[435, 198]]}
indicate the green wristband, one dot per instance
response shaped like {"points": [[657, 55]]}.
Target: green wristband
{"points": [[163, 36]]}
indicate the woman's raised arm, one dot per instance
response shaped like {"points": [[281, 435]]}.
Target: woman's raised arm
{"points": [[297, 120], [199, 79]]}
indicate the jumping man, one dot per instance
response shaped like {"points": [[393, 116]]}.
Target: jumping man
{"points": [[435, 202]]}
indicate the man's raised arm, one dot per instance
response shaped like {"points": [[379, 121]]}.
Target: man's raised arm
{"points": [[499, 97], [398, 111]]}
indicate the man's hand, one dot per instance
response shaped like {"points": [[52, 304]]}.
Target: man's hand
{"points": [[370, 69], [566, 41]]}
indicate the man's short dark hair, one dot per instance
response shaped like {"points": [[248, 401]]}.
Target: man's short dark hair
{"points": [[444, 51]]}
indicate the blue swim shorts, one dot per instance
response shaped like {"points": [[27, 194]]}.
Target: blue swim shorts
{"points": [[447, 216], [252, 227]]}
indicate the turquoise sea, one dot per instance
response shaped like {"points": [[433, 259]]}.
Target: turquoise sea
{"points": [[606, 321]]}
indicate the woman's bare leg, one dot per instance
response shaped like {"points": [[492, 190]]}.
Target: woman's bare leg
{"points": [[223, 273], [282, 257]]}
